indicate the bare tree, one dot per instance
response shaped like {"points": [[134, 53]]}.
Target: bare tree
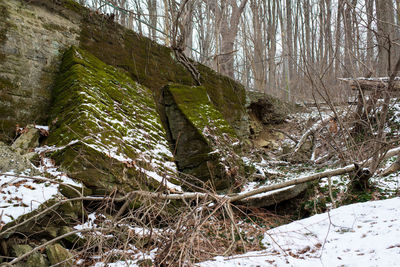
{"points": [[228, 12]]}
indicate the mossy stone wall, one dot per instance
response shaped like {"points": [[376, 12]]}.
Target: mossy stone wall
{"points": [[32, 40], [49, 26], [154, 66]]}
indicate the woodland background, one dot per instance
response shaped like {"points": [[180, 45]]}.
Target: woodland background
{"points": [[293, 49]]}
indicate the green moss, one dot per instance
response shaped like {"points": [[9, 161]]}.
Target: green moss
{"points": [[228, 96], [59, 256], [154, 66], [108, 124], [195, 104], [149, 63], [54, 27], [72, 5], [4, 24], [200, 136], [6, 84]]}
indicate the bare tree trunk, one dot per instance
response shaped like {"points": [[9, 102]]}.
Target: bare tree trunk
{"points": [[122, 12], [348, 48], [271, 29], [370, 42], [228, 30], [386, 36], [188, 25], [258, 65], [167, 24], [152, 6], [289, 44], [338, 34], [328, 55]]}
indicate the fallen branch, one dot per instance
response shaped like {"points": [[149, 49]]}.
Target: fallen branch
{"points": [[380, 83], [317, 126], [285, 134], [339, 171], [18, 176], [14, 261], [233, 198]]}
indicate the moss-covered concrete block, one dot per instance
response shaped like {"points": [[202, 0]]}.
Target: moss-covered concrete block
{"points": [[200, 136], [106, 127]]}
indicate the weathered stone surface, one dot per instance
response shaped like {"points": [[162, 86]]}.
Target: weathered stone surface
{"points": [[198, 132], [267, 109], [150, 64], [49, 224], [36, 259], [57, 254], [27, 141], [106, 127], [31, 40], [13, 161], [154, 66], [18, 250]]}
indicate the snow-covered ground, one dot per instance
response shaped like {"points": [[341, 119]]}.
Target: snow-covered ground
{"points": [[362, 234], [21, 193]]}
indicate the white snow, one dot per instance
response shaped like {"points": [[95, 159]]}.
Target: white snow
{"points": [[42, 127], [20, 196], [362, 234]]}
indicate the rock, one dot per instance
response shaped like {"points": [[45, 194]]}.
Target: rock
{"points": [[13, 161], [69, 192], [72, 211], [200, 135], [57, 254], [18, 250], [270, 144], [304, 153], [268, 109], [52, 230], [48, 224], [27, 141], [36, 259], [73, 239]]}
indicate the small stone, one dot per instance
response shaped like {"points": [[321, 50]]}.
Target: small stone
{"points": [[28, 140], [59, 256], [18, 250], [37, 260]]}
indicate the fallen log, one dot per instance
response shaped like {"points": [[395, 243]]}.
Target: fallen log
{"points": [[309, 178], [316, 127], [240, 196], [371, 84]]}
